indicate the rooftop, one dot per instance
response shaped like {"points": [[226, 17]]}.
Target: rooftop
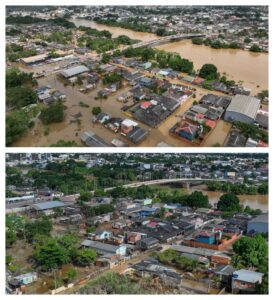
{"points": [[48, 205], [246, 105], [263, 218], [247, 276], [74, 71]]}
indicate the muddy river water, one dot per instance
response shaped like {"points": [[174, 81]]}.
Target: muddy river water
{"points": [[248, 67], [253, 201], [251, 68]]}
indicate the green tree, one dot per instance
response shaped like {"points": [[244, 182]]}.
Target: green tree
{"points": [[263, 94], [85, 196], [105, 58], [85, 257], [17, 123], [197, 199], [42, 226], [229, 203], [197, 41], [63, 143], [255, 48], [68, 242], [50, 254], [209, 71], [70, 275], [112, 78], [161, 31], [263, 287], [250, 252], [263, 188], [10, 237], [52, 113], [96, 110], [18, 97]]}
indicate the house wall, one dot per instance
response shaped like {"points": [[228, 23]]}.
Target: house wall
{"points": [[241, 285], [204, 239], [222, 246], [121, 250]]}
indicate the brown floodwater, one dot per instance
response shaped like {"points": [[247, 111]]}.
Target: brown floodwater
{"points": [[239, 65], [219, 134], [254, 201], [253, 68], [70, 130], [116, 31]]}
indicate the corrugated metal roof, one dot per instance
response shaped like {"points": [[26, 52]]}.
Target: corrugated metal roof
{"points": [[35, 58], [245, 105], [263, 218], [192, 250], [74, 71], [101, 247], [48, 205], [248, 276]]}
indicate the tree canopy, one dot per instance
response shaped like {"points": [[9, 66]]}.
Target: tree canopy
{"points": [[229, 203], [209, 72], [52, 113], [251, 252]]}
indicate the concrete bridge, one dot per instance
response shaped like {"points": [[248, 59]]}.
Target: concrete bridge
{"points": [[160, 41], [167, 39], [186, 181], [24, 205]]}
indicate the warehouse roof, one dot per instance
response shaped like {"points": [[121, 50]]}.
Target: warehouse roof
{"points": [[74, 71], [263, 218], [245, 105], [48, 205], [93, 140], [34, 59], [197, 251]]}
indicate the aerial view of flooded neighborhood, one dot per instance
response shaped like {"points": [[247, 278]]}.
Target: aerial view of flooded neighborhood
{"points": [[137, 76], [126, 223]]}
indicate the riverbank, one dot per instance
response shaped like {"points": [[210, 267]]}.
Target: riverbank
{"points": [[249, 68]]}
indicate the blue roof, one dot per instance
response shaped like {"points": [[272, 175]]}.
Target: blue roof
{"points": [[48, 205]]}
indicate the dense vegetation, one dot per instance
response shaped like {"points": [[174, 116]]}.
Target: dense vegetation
{"points": [[238, 188], [114, 283], [209, 72], [63, 143], [101, 41], [173, 258], [164, 59], [32, 20], [15, 52], [112, 78], [19, 94], [136, 24], [49, 252], [215, 43], [252, 131], [53, 113], [17, 123], [229, 203]]}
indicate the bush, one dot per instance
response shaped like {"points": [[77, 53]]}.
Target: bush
{"points": [[96, 110]]}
